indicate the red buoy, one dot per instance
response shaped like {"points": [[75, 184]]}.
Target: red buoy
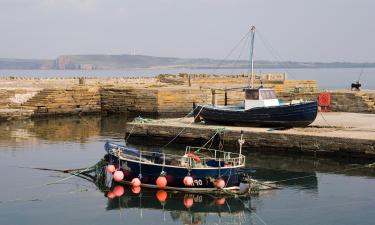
{"points": [[324, 99], [161, 182], [161, 195], [220, 201], [118, 190], [118, 176], [188, 181], [136, 182], [136, 190], [188, 202], [220, 183], [111, 195], [111, 168]]}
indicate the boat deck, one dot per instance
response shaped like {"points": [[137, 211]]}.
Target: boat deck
{"points": [[350, 134]]}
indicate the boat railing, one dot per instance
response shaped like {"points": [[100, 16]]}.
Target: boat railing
{"points": [[204, 157], [208, 154]]}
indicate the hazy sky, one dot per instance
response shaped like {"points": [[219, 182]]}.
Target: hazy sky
{"points": [[302, 30]]}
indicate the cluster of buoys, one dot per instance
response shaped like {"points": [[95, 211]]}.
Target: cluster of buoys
{"points": [[118, 175]]}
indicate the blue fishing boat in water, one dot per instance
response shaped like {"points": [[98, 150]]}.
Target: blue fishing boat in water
{"points": [[197, 170]]}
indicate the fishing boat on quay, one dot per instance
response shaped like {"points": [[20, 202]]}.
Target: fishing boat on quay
{"points": [[261, 107]]}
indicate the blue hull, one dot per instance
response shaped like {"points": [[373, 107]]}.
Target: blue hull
{"points": [[204, 178], [294, 115]]}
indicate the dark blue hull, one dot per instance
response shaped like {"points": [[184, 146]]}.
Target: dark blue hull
{"points": [[293, 115], [203, 178]]}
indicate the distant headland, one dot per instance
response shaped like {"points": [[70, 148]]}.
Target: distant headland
{"points": [[118, 62]]}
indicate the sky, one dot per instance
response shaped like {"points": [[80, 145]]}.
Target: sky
{"points": [[298, 30]]}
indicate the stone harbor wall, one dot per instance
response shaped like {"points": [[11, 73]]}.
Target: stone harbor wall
{"points": [[64, 101], [363, 102], [165, 95], [129, 100], [180, 101]]}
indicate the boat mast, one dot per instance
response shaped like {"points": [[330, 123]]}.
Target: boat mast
{"points": [[252, 55]]}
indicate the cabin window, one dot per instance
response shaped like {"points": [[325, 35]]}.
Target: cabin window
{"points": [[252, 95], [268, 94]]}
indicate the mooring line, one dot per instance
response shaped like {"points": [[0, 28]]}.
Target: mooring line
{"points": [[66, 178], [182, 130], [370, 165]]}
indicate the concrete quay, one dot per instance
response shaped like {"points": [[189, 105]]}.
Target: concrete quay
{"points": [[334, 134]]}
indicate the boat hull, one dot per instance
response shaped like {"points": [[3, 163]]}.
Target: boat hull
{"points": [[203, 178], [293, 115]]}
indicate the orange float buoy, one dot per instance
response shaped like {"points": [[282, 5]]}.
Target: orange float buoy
{"points": [[111, 195], [118, 176], [118, 190], [161, 195], [111, 168], [220, 201], [136, 189], [136, 182], [161, 182], [188, 181], [188, 202], [220, 183]]}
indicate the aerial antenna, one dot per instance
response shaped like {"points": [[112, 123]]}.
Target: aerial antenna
{"points": [[252, 30]]}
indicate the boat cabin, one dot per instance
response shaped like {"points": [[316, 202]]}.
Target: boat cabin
{"points": [[261, 97]]}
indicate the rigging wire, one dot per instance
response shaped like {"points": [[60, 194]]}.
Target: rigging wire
{"points": [[274, 53], [231, 51], [245, 46]]}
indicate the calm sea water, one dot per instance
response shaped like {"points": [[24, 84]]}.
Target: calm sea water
{"points": [[334, 78], [30, 196]]}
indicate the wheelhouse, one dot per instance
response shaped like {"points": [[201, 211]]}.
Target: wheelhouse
{"points": [[262, 97]]}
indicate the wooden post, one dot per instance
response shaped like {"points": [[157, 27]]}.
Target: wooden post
{"points": [[213, 96], [225, 97], [189, 79]]}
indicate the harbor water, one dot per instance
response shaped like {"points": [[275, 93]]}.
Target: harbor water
{"points": [[327, 191]]}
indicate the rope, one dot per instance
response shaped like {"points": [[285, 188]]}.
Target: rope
{"points": [[335, 171], [321, 114], [66, 178], [218, 130], [182, 130]]}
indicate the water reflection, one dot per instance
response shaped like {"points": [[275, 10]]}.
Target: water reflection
{"points": [[183, 207]]}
